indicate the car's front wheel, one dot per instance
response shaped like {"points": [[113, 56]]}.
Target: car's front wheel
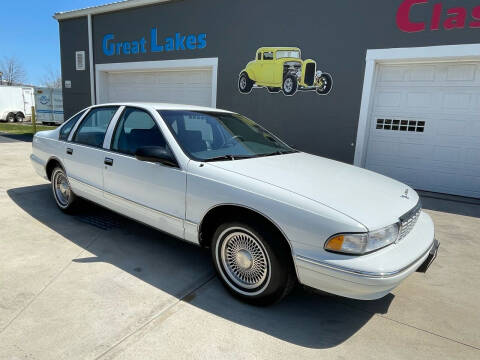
{"points": [[290, 85], [62, 192], [326, 86], [252, 262]]}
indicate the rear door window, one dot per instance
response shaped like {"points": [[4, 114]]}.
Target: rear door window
{"points": [[68, 126], [94, 126]]}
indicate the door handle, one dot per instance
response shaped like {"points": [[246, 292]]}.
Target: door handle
{"points": [[69, 151], [108, 161]]}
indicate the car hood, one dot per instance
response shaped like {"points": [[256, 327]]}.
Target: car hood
{"points": [[372, 199]]}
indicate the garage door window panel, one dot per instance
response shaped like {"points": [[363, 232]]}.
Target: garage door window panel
{"points": [[135, 129], [400, 125], [93, 128]]}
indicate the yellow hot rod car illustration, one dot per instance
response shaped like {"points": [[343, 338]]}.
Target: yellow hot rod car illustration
{"points": [[282, 68]]}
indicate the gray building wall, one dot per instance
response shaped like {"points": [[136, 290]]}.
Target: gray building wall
{"points": [[335, 33], [74, 37]]}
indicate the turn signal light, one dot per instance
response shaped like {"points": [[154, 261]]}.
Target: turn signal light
{"points": [[335, 243]]}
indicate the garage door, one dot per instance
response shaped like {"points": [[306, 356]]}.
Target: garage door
{"points": [[193, 87], [425, 126]]}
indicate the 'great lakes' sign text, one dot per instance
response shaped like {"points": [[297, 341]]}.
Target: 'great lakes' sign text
{"points": [[112, 46]]}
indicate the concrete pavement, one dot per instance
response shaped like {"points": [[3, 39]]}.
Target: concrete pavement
{"points": [[98, 285]]}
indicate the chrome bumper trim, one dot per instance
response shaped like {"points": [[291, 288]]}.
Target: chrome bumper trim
{"points": [[381, 275]]}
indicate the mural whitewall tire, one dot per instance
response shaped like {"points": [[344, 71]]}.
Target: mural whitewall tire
{"points": [[290, 85], [245, 84]]}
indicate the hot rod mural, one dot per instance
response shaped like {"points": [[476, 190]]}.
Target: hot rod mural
{"points": [[282, 68]]}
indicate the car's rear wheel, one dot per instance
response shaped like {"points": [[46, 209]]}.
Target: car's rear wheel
{"points": [[326, 84], [62, 192], [290, 85], [245, 84], [252, 262]]}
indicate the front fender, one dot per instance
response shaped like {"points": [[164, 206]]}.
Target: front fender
{"points": [[250, 70], [306, 224]]}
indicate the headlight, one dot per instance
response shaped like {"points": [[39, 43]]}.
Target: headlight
{"points": [[357, 244]]}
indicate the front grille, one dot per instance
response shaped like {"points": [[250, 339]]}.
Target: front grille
{"points": [[408, 220], [309, 74]]}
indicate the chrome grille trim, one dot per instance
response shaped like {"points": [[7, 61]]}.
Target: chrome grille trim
{"points": [[408, 220]]}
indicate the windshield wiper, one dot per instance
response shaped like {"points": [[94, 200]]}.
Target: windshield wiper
{"points": [[278, 152], [228, 157], [239, 157]]}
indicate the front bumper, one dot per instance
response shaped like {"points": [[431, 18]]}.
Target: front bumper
{"points": [[432, 255], [371, 283]]}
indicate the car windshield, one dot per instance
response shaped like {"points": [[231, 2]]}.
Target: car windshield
{"points": [[288, 54], [212, 136]]}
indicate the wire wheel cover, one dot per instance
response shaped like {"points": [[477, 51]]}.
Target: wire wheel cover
{"points": [[62, 189], [244, 260]]}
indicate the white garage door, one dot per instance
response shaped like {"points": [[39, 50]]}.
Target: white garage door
{"points": [[425, 126], [193, 87]]}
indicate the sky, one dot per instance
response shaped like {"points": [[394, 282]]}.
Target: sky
{"points": [[29, 32]]}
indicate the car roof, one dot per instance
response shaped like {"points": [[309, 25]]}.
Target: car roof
{"points": [[278, 48], [163, 106]]}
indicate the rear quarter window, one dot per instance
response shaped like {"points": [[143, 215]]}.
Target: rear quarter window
{"points": [[68, 126]]}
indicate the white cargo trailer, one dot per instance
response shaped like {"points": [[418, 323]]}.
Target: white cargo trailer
{"points": [[49, 105], [16, 103]]}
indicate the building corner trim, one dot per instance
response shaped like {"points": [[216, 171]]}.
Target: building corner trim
{"points": [[90, 60]]}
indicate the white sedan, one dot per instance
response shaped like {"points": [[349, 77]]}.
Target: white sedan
{"points": [[271, 215]]}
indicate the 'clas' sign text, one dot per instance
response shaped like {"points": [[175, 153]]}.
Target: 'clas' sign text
{"points": [[441, 18]]}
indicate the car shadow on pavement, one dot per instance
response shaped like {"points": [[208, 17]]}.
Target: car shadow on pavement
{"points": [[6, 137], [305, 318]]}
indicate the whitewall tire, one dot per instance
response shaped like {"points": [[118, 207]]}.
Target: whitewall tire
{"points": [[62, 192], [252, 262]]}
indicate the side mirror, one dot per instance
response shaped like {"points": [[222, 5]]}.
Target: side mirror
{"points": [[158, 154]]}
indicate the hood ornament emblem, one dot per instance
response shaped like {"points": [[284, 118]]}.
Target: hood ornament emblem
{"points": [[405, 194]]}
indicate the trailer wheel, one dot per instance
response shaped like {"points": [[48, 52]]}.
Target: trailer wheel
{"points": [[19, 117], [10, 117]]}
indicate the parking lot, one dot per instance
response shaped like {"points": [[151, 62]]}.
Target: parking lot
{"points": [[97, 285]]}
